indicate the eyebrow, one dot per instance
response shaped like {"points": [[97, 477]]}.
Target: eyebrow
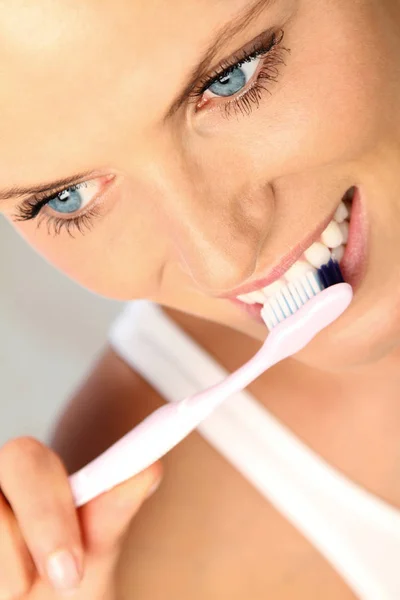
{"points": [[220, 38], [18, 192]]}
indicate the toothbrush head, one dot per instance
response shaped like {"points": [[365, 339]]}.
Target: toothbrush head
{"points": [[293, 296]]}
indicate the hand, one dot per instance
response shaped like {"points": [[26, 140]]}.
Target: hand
{"points": [[38, 520]]}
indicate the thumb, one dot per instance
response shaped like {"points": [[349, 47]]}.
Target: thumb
{"points": [[106, 519]]}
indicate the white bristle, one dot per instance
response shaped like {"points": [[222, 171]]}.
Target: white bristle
{"points": [[301, 291], [295, 295], [290, 298], [277, 309], [270, 316], [290, 301], [283, 304], [314, 282], [268, 321], [307, 287]]}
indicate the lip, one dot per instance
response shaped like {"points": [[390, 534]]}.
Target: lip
{"points": [[353, 264], [284, 264]]}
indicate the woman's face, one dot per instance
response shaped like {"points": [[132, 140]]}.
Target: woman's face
{"points": [[183, 201]]}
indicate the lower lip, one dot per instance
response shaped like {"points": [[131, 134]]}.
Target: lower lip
{"points": [[353, 264]]}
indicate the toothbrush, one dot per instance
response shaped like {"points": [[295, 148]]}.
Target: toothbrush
{"points": [[294, 316]]}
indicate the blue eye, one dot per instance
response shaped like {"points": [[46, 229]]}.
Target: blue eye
{"points": [[67, 201], [229, 84], [72, 199], [74, 207]]}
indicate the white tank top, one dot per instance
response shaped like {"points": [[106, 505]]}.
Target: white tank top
{"points": [[358, 533]]}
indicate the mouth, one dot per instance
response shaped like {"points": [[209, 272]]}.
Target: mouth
{"points": [[341, 236]]}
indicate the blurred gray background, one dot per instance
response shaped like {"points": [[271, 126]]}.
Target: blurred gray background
{"points": [[51, 331]]}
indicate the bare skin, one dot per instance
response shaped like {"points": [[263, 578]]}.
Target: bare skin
{"points": [[244, 546], [207, 532], [194, 203]]}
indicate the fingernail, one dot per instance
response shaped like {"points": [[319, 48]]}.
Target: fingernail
{"points": [[153, 488], [63, 571]]}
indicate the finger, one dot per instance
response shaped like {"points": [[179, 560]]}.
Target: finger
{"points": [[35, 483], [17, 570], [106, 518]]}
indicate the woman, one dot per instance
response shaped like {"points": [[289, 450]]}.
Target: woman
{"points": [[188, 153]]}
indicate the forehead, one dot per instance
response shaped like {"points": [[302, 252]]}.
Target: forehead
{"points": [[72, 74]]}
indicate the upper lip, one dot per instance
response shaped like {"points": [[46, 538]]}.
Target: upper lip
{"points": [[283, 265]]}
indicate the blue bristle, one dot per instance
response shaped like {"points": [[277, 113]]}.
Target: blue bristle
{"points": [[330, 274], [339, 272], [322, 276]]}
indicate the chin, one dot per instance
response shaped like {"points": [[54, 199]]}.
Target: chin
{"points": [[336, 355], [368, 333], [343, 347]]}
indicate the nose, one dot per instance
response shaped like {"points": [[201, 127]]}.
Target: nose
{"points": [[217, 227]]}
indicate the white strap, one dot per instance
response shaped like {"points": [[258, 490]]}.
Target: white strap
{"points": [[357, 532]]}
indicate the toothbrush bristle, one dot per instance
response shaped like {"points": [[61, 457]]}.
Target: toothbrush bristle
{"points": [[294, 295]]}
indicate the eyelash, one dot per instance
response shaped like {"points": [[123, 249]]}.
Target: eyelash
{"points": [[31, 209], [272, 51]]}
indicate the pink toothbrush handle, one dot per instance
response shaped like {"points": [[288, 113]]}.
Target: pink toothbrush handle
{"points": [[170, 424], [133, 453]]}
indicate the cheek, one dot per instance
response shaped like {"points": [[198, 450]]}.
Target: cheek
{"points": [[74, 258], [338, 92], [121, 257], [333, 115]]}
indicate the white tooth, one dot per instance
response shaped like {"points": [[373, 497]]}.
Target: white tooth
{"points": [[257, 296], [332, 236], [341, 213], [344, 228], [317, 255], [271, 290], [297, 270], [246, 299], [338, 253]]}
